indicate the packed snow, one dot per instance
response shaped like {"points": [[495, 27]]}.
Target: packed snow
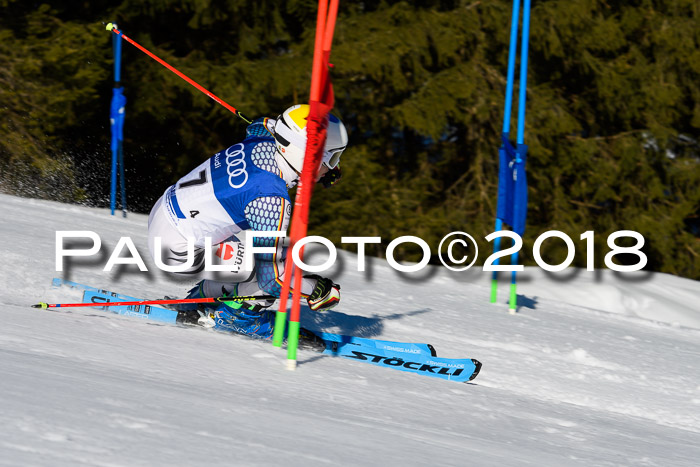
{"points": [[595, 368]]}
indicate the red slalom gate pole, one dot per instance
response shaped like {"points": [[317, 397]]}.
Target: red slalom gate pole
{"points": [[290, 269], [320, 103], [111, 27]]}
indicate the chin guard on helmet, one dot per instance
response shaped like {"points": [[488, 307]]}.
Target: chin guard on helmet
{"points": [[331, 177]]}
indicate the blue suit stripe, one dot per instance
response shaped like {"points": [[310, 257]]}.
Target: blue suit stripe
{"points": [[267, 214]]}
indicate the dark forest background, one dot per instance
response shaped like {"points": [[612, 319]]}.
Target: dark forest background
{"points": [[613, 113]]}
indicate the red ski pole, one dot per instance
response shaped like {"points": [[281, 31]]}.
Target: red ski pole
{"points": [[112, 27], [159, 302]]}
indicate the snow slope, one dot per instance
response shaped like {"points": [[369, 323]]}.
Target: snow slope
{"points": [[596, 369]]}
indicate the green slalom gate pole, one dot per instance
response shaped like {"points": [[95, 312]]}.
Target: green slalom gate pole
{"points": [[494, 276], [280, 324], [294, 326], [281, 315], [494, 290], [513, 305], [292, 345]]}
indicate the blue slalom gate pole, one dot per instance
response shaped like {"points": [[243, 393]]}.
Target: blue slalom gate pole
{"points": [[116, 119], [511, 66], [512, 183], [521, 148], [523, 72], [122, 180], [506, 129]]}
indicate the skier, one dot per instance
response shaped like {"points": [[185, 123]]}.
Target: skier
{"points": [[244, 187]]}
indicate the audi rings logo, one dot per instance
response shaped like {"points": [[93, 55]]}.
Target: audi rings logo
{"points": [[235, 166]]}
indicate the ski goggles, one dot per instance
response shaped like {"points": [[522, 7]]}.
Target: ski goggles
{"points": [[331, 157], [286, 136]]}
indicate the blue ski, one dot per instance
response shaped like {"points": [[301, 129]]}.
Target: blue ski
{"points": [[411, 357], [390, 346], [95, 295], [453, 369], [166, 315]]}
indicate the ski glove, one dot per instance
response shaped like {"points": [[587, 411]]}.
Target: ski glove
{"points": [[325, 295]]}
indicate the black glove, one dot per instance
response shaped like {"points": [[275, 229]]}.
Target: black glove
{"points": [[325, 295]]}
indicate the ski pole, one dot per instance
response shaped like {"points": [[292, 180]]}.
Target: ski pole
{"points": [[113, 28], [159, 302]]}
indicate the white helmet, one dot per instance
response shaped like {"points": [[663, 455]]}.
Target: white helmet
{"points": [[290, 137]]}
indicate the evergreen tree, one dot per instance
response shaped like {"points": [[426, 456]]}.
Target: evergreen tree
{"points": [[613, 112]]}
